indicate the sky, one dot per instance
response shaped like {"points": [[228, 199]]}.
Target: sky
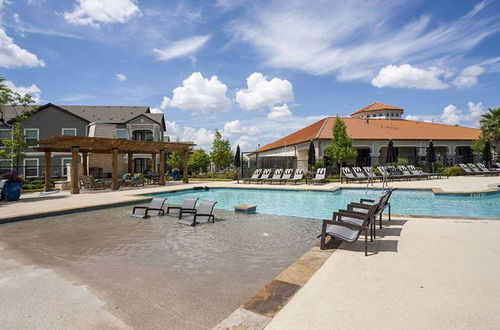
{"points": [[256, 70]]}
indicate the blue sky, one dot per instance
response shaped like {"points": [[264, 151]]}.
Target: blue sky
{"points": [[256, 70]]}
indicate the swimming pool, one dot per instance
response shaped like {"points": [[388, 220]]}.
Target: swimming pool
{"points": [[321, 204]]}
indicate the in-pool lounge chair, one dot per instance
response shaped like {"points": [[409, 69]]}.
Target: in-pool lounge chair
{"points": [[340, 228], [202, 214], [347, 175], [299, 175], [255, 176], [189, 204], [276, 176], [2, 186], [320, 175], [265, 176], [287, 175], [155, 208]]}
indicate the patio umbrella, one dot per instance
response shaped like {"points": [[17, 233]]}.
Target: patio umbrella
{"points": [[487, 157], [390, 157], [311, 155], [431, 154], [237, 155]]}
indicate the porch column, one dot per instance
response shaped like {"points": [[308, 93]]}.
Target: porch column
{"points": [[185, 159], [153, 162], [130, 157], [114, 169], [48, 160], [161, 174], [75, 187], [85, 163]]}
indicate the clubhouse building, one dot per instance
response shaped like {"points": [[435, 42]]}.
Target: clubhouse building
{"points": [[371, 128]]}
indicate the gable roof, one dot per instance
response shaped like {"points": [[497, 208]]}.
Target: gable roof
{"points": [[376, 106], [106, 114], [379, 129]]}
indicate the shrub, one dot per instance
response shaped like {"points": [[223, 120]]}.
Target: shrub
{"points": [[402, 161], [453, 171]]}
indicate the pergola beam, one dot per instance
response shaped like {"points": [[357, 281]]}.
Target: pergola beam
{"points": [[48, 160], [75, 187]]}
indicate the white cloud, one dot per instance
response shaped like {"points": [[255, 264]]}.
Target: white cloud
{"points": [[281, 112], [361, 38], [33, 90], [454, 116], [468, 77], [201, 136], [121, 77], [94, 12], [246, 143], [412, 117], [155, 110], [235, 127], [165, 103], [199, 94], [11, 55], [406, 76], [261, 92], [181, 48]]}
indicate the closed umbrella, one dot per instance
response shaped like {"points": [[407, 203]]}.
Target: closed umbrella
{"points": [[311, 155], [430, 156], [391, 156], [487, 157], [237, 158]]}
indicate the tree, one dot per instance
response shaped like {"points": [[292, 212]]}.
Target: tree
{"points": [[221, 154], [490, 126], [15, 148], [341, 149], [199, 160], [175, 160]]}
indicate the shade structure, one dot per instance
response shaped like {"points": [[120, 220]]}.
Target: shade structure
{"points": [[237, 157], [391, 156], [311, 155], [487, 156], [430, 155]]}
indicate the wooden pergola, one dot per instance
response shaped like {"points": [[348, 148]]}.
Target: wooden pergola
{"points": [[98, 145]]}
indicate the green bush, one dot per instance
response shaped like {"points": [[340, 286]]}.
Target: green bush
{"points": [[453, 171], [402, 161]]}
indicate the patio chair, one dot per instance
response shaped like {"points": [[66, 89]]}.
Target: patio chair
{"points": [[155, 208], [202, 214], [474, 168], [468, 170], [189, 204], [287, 175], [406, 173], [320, 175], [485, 170], [2, 185], [265, 176], [348, 231], [276, 176], [255, 176], [348, 175], [358, 172], [92, 184], [370, 174], [299, 175], [365, 204]]}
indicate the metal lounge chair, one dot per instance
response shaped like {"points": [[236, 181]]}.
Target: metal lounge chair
{"points": [[419, 173], [365, 204], [276, 176], [202, 214], [320, 175], [287, 175], [485, 170], [2, 185], [265, 176], [467, 170], [299, 175], [347, 231], [370, 174], [155, 208], [474, 168], [406, 173], [255, 176], [189, 204], [358, 172], [348, 175]]}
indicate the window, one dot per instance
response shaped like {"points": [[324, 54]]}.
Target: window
{"points": [[143, 135], [5, 165], [31, 136], [69, 131], [64, 164], [121, 134], [5, 134], [31, 168], [148, 136]]}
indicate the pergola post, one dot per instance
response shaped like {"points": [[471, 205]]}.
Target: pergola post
{"points": [[114, 169], [48, 159], [185, 159], [85, 163], [130, 157], [75, 187], [153, 162], [161, 174]]}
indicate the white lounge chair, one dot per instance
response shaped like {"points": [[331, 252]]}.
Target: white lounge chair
{"points": [[299, 175], [484, 169], [468, 170], [287, 175], [265, 175], [320, 175], [202, 214], [155, 208], [255, 176], [348, 175], [276, 176], [358, 172], [189, 204]]}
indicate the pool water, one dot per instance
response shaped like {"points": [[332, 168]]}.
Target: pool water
{"points": [[321, 204]]}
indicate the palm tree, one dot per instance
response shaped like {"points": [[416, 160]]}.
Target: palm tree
{"points": [[490, 126]]}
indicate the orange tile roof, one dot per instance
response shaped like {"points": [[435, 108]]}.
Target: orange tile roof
{"points": [[377, 106], [377, 129]]}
